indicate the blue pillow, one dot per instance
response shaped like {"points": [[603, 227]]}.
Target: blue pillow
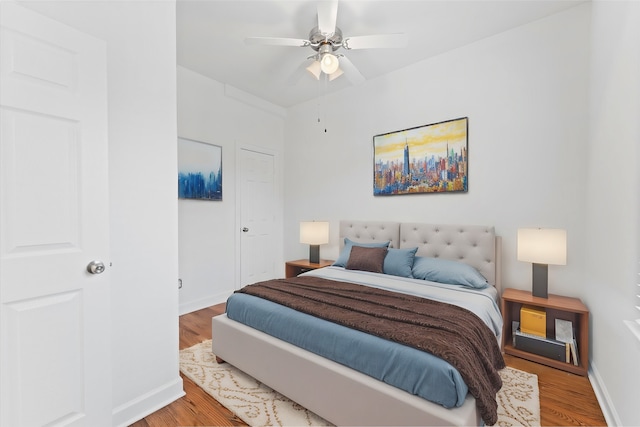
{"points": [[399, 262], [448, 272], [346, 251]]}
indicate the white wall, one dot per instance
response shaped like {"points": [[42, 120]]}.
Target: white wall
{"points": [[208, 230], [553, 111], [612, 206], [141, 52], [144, 234], [525, 92]]}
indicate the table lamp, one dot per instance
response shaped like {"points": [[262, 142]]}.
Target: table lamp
{"points": [[314, 233], [542, 246]]}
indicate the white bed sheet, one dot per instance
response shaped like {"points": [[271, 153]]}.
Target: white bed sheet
{"points": [[482, 302]]}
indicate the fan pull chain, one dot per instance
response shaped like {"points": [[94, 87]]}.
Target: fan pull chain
{"points": [[319, 102], [321, 94], [324, 94]]}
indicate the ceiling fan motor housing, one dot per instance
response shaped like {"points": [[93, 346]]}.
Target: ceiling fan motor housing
{"points": [[318, 40]]}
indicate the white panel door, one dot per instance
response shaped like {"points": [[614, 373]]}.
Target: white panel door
{"points": [[55, 359], [257, 213]]}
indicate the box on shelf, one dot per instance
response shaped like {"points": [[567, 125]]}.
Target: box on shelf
{"points": [[533, 320], [542, 346]]}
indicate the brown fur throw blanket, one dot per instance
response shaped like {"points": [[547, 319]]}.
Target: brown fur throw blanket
{"points": [[447, 331]]}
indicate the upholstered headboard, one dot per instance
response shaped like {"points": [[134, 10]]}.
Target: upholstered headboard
{"points": [[472, 244], [370, 231], [475, 245]]}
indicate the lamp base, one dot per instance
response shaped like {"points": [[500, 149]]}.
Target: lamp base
{"points": [[314, 254], [540, 280]]}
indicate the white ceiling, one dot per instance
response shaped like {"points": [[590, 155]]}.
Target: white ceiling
{"points": [[211, 33]]}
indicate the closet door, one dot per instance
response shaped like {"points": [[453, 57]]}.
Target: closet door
{"points": [[258, 216]]}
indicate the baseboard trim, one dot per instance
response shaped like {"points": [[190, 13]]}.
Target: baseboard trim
{"points": [[136, 409], [606, 404], [192, 306]]}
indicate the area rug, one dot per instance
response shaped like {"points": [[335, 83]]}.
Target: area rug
{"points": [[258, 405]]}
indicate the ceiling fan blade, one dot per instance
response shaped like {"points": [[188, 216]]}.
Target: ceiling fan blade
{"points": [[353, 74], [327, 15], [276, 41], [376, 41]]}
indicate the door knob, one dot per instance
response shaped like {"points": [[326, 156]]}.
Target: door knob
{"points": [[245, 229], [95, 267]]}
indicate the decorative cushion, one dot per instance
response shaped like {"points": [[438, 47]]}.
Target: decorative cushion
{"points": [[448, 272], [366, 259], [399, 262], [346, 250]]}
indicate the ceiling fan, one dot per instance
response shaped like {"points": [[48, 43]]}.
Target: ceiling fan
{"points": [[326, 39]]}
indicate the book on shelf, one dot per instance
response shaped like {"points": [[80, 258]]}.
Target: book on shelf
{"points": [[564, 330], [574, 352], [515, 326], [566, 334]]}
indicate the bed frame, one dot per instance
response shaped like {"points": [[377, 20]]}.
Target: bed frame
{"points": [[342, 395]]}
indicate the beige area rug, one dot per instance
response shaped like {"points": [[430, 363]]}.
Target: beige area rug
{"points": [[258, 405]]}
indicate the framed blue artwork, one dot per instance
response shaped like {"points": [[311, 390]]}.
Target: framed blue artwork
{"points": [[199, 170]]}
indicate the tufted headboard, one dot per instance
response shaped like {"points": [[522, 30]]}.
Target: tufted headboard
{"points": [[472, 244], [371, 231], [475, 245]]}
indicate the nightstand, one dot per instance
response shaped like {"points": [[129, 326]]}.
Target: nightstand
{"points": [[556, 307], [293, 268]]}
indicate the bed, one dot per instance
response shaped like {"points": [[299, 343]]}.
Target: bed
{"points": [[345, 395]]}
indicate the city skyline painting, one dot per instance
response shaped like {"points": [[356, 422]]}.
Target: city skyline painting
{"points": [[199, 170], [425, 159]]}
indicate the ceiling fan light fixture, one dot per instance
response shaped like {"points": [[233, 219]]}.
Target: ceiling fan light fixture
{"points": [[314, 69], [336, 74], [329, 63]]}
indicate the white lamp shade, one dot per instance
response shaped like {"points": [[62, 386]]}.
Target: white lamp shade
{"points": [[314, 69], [329, 63], [336, 74], [542, 245], [314, 233]]}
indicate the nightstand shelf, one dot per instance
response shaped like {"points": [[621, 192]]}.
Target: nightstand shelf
{"points": [[556, 307], [293, 268]]}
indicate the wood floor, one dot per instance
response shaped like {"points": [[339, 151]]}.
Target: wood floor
{"points": [[565, 399]]}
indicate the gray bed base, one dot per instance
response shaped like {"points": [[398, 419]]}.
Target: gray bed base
{"points": [[342, 395]]}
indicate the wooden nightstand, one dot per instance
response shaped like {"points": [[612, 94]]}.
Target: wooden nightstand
{"points": [[299, 266], [556, 307]]}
